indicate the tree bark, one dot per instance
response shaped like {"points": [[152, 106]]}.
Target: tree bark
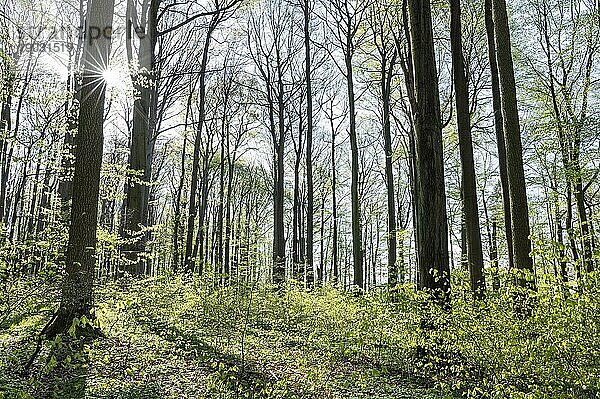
{"points": [[432, 226], [77, 286], [137, 189], [357, 249], [465, 143], [334, 239], [309, 136], [499, 127], [514, 153], [279, 193], [386, 75], [190, 258]]}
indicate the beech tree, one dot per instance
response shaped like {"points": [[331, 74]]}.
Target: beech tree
{"points": [[468, 183], [430, 196], [344, 22], [519, 210], [78, 283]]}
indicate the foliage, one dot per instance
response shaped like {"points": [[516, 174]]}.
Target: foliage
{"points": [[180, 337]]}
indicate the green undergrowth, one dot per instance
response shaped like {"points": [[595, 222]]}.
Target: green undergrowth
{"points": [[173, 337]]}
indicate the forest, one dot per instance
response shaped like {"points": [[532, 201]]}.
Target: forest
{"points": [[326, 199]]}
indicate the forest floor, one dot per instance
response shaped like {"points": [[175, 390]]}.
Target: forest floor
{"points": [[182, 340], [174, 337]]}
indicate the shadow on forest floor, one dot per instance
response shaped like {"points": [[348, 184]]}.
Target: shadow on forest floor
{"points": [[177, 347], [229, 371]]}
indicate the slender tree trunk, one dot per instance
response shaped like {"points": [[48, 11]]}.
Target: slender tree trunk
{"points": [[584, 225], [571, 233], [279, 238], [221, 206], [177, 210], [228, 221], [357, 249], [35, 191], [296, 216], [198, 251], [5, 131], [464, 256], [493, 246], [190, 260], [43, 208], [334, 240], [386, 80], [562, 260], [309, 133]]}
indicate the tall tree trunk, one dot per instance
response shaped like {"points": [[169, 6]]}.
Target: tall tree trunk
{"points": [[228, 221], [221, 205], [357, 249], [514, 153], [409, 82], [499, 127], [279, 229], [465, 143], [198, 251], [296, 212], [334, 239], [190, 259], [386, 82], [77, 286], [6, 153], [569, 154], [177, 210], [309, 133], [432, 226], [137, 189]]}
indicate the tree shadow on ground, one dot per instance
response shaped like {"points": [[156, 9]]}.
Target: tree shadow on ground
{"points": [[230, 371]]}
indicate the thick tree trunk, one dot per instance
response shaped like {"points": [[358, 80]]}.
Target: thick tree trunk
{"points": [[432, 225], [137, 189], [499, 127], [465, 143], [514, 153], [77, 286]]}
